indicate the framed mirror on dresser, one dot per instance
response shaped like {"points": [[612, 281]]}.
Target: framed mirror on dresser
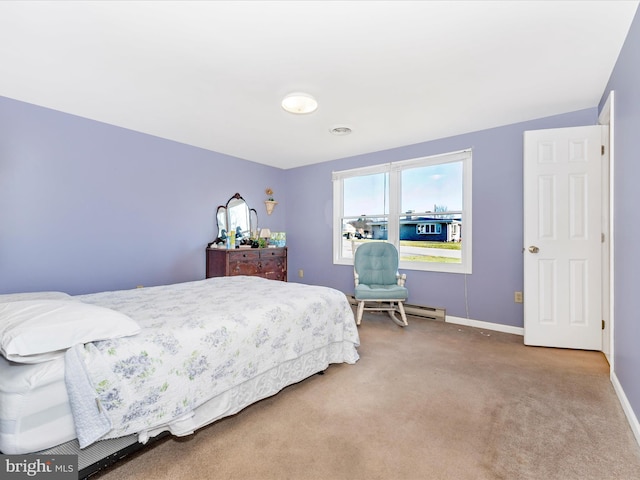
{"points": [[235, 251], [236, 219]]}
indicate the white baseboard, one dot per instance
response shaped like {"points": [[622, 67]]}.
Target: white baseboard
{"points": [[497, 327], [626, 407]]}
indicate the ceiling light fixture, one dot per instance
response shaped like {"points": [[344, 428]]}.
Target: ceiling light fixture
{"points": [[299, 103], [340, 130]]}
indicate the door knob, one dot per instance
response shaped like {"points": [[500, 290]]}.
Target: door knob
{"points": [[534, 249]]}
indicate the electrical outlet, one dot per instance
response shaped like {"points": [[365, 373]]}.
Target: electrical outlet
{"points": [[517, 297], [301, 273]]}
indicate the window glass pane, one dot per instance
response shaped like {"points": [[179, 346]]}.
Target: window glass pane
{"points": [[366, 195], [431, 219], [434, 188]]}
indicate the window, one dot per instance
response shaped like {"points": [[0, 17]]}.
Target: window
{"points": [[427, 228], [422, 206]]}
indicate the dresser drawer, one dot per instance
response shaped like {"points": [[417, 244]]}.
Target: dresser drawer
{"points": [[243, 268], [244, 255], [273, 252]]}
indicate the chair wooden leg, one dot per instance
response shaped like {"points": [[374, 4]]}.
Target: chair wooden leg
{"points": [[360, 312], [402, 313], [392, 313]]}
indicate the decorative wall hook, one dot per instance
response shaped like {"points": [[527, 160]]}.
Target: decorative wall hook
{"points": [[269, 203]]}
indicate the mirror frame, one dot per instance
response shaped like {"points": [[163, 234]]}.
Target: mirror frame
{"points": [[223, 220]]}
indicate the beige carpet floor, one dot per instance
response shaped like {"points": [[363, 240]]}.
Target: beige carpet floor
{"points": [[430, 401]]}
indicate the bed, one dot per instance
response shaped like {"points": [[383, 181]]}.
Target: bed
{"points": [[143, 363]]}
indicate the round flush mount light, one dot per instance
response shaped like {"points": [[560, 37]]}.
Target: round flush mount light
{"points": [[299, 103], [340, 130]]}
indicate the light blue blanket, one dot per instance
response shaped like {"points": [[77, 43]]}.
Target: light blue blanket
{"points": [[91, 422]]}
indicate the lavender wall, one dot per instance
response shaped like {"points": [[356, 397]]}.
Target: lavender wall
{"points": [[86, 206], [625, 81], [497, 222]]}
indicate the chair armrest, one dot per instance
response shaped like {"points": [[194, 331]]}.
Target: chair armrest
{"points": [[402, 278], [356, 278]]}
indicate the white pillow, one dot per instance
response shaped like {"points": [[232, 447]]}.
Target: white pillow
{"points": [[16, 297], [35, 331]]}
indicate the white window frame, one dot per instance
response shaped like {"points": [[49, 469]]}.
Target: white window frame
{"points": [[394, 169]]}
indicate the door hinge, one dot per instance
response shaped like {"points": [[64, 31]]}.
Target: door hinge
{"points": [[602, 238], [602, 324], [601, 149]]}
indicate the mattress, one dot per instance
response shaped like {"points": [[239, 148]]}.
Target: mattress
{"points": [[34, 406]]}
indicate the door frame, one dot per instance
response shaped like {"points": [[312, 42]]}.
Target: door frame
{"points": [[607, 117]]}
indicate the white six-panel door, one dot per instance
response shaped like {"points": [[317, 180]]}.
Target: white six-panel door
{"points": [[562, 238]]}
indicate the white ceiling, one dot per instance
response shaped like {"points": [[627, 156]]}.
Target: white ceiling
{"points": [[212, 73]]}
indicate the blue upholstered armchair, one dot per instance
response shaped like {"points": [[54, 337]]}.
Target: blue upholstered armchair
{"points": [[375, 268]]}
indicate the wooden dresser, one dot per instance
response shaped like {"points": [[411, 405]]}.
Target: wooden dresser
{"points": [[269, 263]]}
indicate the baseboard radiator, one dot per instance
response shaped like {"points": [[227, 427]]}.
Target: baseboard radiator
{"points": [[433, 313]]}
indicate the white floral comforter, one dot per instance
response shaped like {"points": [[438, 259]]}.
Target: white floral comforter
{"points": [[199, 339]]}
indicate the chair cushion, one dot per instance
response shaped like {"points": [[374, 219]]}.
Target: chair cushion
{"points": [[376, 263], [381, 292]]}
